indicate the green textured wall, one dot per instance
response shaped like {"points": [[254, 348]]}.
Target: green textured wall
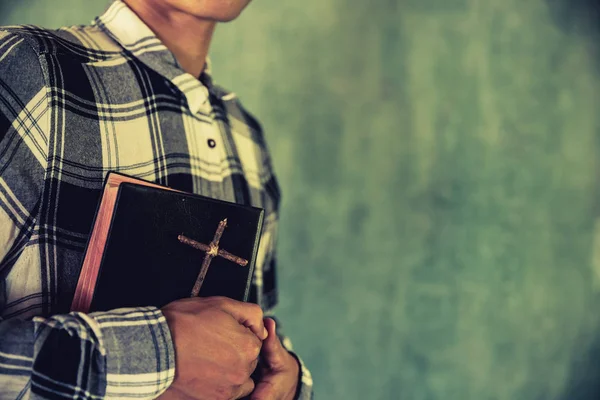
{"points": [[439, 159]]}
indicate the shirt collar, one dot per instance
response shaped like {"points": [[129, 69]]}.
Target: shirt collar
{"points": [[127, 29]]}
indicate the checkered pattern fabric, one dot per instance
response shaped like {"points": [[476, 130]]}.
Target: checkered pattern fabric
{"points": [[76, 103]]}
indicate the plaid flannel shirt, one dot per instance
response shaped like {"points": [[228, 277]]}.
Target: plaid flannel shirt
{"points": [[76, 103]]}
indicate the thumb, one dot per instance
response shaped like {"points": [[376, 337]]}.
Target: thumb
{"points": [[272, 348]]}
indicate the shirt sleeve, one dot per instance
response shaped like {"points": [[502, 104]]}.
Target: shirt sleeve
{"points": [[117, 354], [24, 116], [125, 353]]}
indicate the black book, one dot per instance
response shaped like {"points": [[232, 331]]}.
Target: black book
{"points": [[149, 245]]}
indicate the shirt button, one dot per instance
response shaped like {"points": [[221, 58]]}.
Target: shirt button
{"points": [[211, 143]]}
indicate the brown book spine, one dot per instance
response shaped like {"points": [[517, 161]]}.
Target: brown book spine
{"points": [[84, 293]]}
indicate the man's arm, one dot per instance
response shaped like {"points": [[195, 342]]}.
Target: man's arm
{"points": [[118, 354], [204, 348], [304, 390], [114, 354]]}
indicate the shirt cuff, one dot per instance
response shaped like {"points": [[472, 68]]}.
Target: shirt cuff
{"points": [[140, 356]]}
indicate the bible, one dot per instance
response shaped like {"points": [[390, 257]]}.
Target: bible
{"points": [[151, 245]]}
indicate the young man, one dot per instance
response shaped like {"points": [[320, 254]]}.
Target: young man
{"points": [[131, 93]]}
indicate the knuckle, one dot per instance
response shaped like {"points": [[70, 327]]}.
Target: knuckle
{"points": [[246, 389], [217, 301], [251, 347], [255, 310], [250, 388], [224, 392], [252, 366], [276, 359], [238, 377]]}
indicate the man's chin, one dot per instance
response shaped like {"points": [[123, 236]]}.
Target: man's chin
{"points": [[226, 16], [225, 19], [223, 11]]}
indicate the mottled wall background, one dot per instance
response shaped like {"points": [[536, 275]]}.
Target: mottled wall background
{"points": [[440, 162]]}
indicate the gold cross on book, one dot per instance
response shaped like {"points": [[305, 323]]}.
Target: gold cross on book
{"points": [[212, 250]]}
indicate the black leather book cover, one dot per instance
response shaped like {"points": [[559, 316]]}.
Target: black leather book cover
{"points": [[145, 264]]}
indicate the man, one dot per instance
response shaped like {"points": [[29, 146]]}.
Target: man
{"points": [[131, 93]]}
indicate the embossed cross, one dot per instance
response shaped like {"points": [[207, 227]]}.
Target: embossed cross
{"points": [[212, 250]]}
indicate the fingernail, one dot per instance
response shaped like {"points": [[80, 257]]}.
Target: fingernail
{"points": [[265, 333]]}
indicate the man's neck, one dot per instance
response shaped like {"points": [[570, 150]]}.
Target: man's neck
{"points": [[186, 36]]}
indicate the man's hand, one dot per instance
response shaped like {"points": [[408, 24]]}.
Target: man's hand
{"points": [[217, 343], [279, 374]]}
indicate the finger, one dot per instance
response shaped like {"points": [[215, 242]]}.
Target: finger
{"points": [[247, 314], [265, 390], [272, 348], [254, 364], [245, 389]]}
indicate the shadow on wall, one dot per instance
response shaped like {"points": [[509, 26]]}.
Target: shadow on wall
{"points": [[584, 381], [579, 17], [582, 17]]}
